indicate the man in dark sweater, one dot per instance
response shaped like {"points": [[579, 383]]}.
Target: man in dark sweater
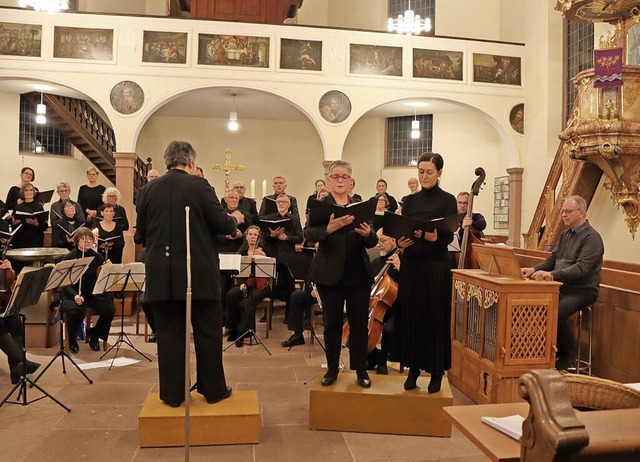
{"points": [[577, 263]]}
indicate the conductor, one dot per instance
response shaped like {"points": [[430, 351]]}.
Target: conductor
{"points": [[161, 228]]}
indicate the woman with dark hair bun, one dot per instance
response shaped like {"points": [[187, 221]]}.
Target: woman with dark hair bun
{"points": [[423, 340]]}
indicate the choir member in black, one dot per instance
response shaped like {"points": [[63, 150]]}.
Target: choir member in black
{"points": [[111, 196], [11, 339], [242, 318], [76, 298], [320, 185], [110, 236], [64, 190], [62, 229], [245, 203], [27, 175], [31, 234], [381, 188], [382, 205], [414, 187], [342, 272], [231, 243], [279, 188], [280, 241], [377, 358], [90, 195], [354, 196], [422, 326]]}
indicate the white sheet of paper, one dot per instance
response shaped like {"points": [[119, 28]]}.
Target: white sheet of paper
{"points": [[118, 362]]}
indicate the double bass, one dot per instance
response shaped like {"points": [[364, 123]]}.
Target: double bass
{"points": [[466, 258]]}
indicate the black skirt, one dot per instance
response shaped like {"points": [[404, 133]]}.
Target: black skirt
{"points": [[423, 319]]}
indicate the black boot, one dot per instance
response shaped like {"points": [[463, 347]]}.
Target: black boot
{"points": [[412, 378], [435, 383], [14, 354]]}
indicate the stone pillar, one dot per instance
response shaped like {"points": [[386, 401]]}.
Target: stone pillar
{"points": [[125, 164], [515, 205]]}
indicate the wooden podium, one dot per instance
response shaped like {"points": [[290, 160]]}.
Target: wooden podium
{"points": [[501, 326]]}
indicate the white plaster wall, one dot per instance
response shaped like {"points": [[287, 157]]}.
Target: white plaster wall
{"points": [[461, 18]]}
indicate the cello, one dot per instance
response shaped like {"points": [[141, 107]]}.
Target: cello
{"points": [[465, 257], [7, 276]]}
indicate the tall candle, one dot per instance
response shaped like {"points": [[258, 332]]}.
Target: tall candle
{"points": [[264, 188], [253, 189]]}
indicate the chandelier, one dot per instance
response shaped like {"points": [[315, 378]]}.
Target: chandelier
{"points": [[50, 6], [410, 23]]}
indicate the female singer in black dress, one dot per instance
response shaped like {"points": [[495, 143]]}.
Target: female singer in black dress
{"points": [[423, 340], [90, 195], [62, 230], [110, 236], [342, 271], [112, 196], [33, 226], [27, 175]]}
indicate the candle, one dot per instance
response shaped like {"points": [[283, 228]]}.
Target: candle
{"points": [[264, 188], [253, 189]]}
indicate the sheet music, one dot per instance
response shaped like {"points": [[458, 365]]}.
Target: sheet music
{"points": [[112, 278], [265, 267], [68, 272], [230, 262]]}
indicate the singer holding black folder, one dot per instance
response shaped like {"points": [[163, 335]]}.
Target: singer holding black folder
{"points": [[423, 338], [33, 217], [62, 229], [110, 236], [342, 272]]}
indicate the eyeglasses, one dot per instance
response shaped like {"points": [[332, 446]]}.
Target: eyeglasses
{"points": [[567, 211], [340, 177], [283, 202]]}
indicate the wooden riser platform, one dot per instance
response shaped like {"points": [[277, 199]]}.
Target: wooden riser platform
{"points": [[384, 408], [235, 420]]}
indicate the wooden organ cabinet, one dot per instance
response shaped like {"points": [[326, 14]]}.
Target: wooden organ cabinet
{"points": [[501, 326]]}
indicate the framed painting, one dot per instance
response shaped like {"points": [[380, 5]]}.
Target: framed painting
{"points": [[437, 64], [164, 47], [126, 97], [82, 43], [305, 55], [516, 118], [334, 106], [374, 59], [497, 69], [233, 50], [20, 39]]}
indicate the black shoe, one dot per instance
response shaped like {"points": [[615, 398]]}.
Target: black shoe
{"points": [[295, 339], [363, 379], [172, 404], [233, 336], [263, 318], [152, 337], [382, 369], [225, 396], [94, 341], [435, 383], [329, 378], [73, 346], [412, 379], [563, 364], [240, 342], [372, 359], [18, 369]]}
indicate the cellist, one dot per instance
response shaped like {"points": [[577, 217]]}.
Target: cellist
{"points": [[476, 221]]}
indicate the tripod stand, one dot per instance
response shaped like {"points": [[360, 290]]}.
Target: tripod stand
{"points": [[29, 286], [120, 279], [66, 273]]}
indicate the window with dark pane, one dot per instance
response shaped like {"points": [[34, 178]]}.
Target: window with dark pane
{"points": [[401, 148], [579, 37], [34, 137], [424, 8]]}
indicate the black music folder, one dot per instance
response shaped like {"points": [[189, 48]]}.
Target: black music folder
{"points": [[24, 215], [267, 225], [320, 212], [397, 226], [8, 234], [270, 206], [44, 196], [69, 233]]}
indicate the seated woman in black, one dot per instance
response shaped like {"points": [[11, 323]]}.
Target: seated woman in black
{"points": [[62, 230], [240, 319], [76, 298], [110, 236]]}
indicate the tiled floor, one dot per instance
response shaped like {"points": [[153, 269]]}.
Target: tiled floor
{"points": [[103, 423]]}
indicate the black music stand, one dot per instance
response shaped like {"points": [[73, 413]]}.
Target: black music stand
{"points": [[29, 287], [119, 279], [66, 273], [251, 268]]}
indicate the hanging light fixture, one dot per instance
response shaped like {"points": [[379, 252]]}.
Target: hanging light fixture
{"points": [[233, 116], [38, 147], [50, 6], [41, 111], [415, 125], [410, 23]]}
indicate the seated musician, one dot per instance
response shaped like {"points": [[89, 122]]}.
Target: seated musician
{"points": [[299, 309], [576, 262], [378, 357], [76, 298], [476, 221], [62, 229], [241, 319], [281, 241]]}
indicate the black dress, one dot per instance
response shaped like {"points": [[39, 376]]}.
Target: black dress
{"points": [[116, 246], [13, 195], [29, 235], [422, 325], [119, 215], [90, 197]]}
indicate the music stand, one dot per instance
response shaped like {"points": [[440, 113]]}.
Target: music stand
{"points": [[66, 273], [253, 268], [29, 287], [119, 279]]}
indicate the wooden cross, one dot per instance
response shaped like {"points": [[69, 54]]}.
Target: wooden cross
{"points": [[227, 168]]}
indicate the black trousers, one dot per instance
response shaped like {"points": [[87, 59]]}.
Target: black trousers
{"points": [[102, 306], [242, 318], [206, 322], [299, 309], [357, 303], [570, 301]]}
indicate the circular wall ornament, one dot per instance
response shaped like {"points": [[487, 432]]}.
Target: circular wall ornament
{"points": [[516, 118], [127, 97], [334, 106]]}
